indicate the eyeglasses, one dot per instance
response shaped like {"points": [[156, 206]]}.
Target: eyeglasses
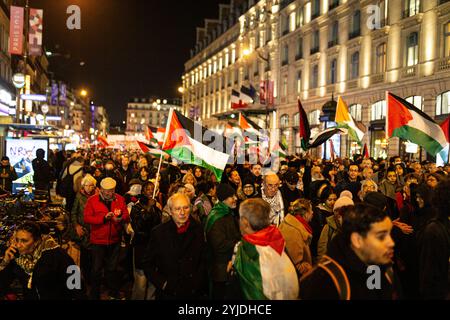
{"points": [[178, 209]]}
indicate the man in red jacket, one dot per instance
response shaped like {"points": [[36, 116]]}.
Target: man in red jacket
{"points": [[107, 214]]}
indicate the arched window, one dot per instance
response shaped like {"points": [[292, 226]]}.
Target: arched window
{"points": [[378, 110], [417, 101], [313, 117], [443, 103], [284, 121], [356, 112]]}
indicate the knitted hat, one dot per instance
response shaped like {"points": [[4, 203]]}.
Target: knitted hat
{"points": [[108, 183], [376, 199], [347, 194], [342, 202], [224, 191]]}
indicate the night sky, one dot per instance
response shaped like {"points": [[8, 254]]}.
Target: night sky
{"points": [[130, 47]]}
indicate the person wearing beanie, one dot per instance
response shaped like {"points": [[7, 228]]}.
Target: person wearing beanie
{"points": [[222, 234], [289, 189], [248, 189], [334, 223]]}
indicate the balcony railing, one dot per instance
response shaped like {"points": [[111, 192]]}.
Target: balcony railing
{"points": [[314, 50], [377, 78], [332, 43], [444, 64], [354, 34], [409, 71], [352, 84]]}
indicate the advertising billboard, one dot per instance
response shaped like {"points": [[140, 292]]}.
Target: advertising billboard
{"points": [[21, 153]]}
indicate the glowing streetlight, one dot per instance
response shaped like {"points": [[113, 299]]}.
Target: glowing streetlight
{"points": [[246, 52], [181, 90], [83, 93]]}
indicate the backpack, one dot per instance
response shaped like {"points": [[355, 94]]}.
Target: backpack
{"points": [[65, 187], [339, 276]]}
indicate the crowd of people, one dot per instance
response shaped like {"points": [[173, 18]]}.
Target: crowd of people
{"points": [[303, 229]]}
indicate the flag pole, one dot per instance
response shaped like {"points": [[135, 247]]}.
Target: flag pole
{"points": [[169, 120]]}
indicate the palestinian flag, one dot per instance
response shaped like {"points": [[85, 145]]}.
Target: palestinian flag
{"points": [[156, 134], [186, 141], [304, 130], [103, 141], [250, 127], [366, 152], [146, 148], [405, 121], [345, 120], [446, 128], [324, 136], [263, 268]]}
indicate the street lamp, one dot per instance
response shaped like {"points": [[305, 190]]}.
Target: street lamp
{"points": [[181, 90], [84, 93]]}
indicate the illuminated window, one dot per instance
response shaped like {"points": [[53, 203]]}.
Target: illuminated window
{"points": [[355, 25], [285, 87], [334, 31], [443, 103], [412, 7], [315, 10], [412, 49], [315, 42], [233, 55], [417, 101], [381, 58], [284, 121], [378, 110], [299, 53], [299, 17], [315, 77], [356, 112], [313, 117], [299, 82]]}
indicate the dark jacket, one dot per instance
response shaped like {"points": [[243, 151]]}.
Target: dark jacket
{"points": [[77, 217], [318, 221], [179, 259], [319, 285], [7, 176], [434, 253], [289, 196], [353, 186], [221, 239], [105, 232], [49, 280], [126, 176], [143, 220], [43, 174]]}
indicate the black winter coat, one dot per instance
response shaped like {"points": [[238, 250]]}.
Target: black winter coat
{"points": [[319, 285], [143, 220], [49, 278], [179, 259], [43, 174]]}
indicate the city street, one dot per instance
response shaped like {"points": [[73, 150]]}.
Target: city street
{"points": [[218, 150]]}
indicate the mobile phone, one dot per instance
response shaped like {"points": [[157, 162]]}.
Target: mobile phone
{"points": [[17, 253]]}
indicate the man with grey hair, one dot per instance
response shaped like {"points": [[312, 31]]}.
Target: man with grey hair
{"points": [[272, 195], [262, 266], [175, 258]]}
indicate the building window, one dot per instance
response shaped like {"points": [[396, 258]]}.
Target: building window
{"points": [[313, 117], [447, 40], [384, 9], [412, 49], [381, 58], [315, 77], [354, 65], [315, 10], [284, 25], [333, 71], [412, 7], [236, 75], [334, 31], [255, 68], [356, 112], [285, 56], [246, 72], [417, 101], [299, 82], [284, 92], [443, 103], [355, 27], [315, 42], [269, 33], [299, 53], [284, 121], [333, 4], [378, 110], [292, 21]]}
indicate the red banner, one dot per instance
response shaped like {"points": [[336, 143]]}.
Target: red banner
{"points": [[16, 30], [35, 33], [262, 92], [270, 98]]}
